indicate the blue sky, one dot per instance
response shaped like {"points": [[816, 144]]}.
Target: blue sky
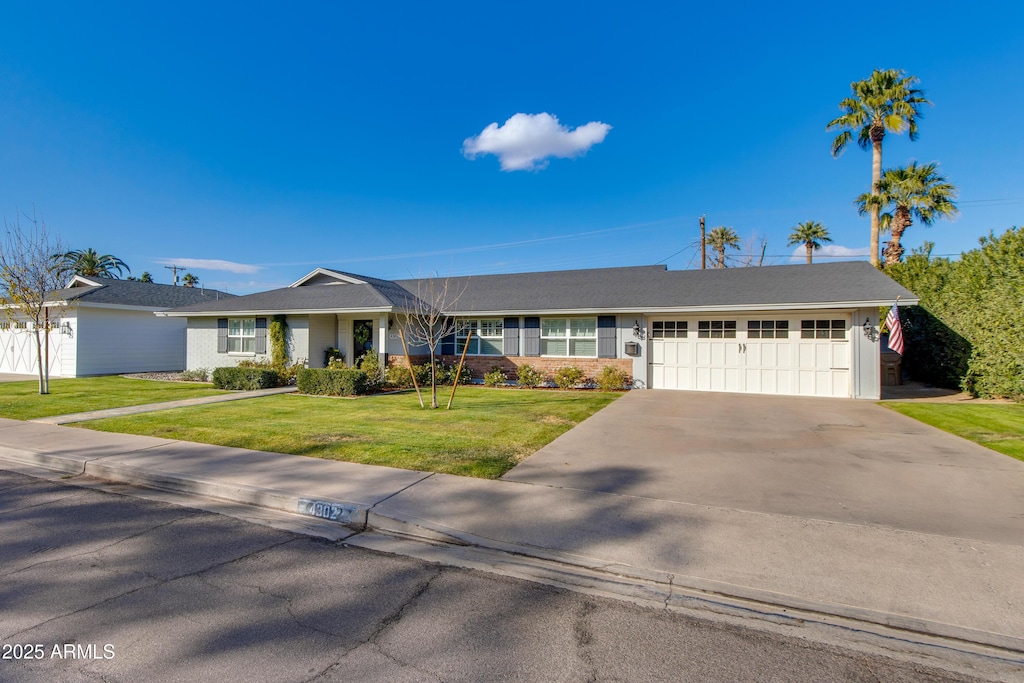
{"points": [[274, 140]]}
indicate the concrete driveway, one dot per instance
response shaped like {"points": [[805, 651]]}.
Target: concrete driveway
{"points": [[828, 459]]}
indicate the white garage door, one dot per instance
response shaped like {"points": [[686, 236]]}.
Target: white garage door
{"points": [[797, 356], [18, 349]]}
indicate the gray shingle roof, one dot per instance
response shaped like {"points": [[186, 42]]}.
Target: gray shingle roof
{"points": [[632, 288], [134, 293], [655, 287]]}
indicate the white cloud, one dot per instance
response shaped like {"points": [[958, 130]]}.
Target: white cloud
{"points": [[526, 141], [831, 252], [209, 264]]}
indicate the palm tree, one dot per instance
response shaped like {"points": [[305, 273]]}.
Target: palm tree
{"points": [[145, 277], [911, 192], [884, 102], [720, 239], [811, 234], [189, 280], [88, 263]]}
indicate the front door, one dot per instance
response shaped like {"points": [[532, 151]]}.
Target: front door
{"points": [[362, 339]]}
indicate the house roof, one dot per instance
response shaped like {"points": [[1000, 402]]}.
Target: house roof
{"points": [[636, 288], [656, 287], [111, 292]]}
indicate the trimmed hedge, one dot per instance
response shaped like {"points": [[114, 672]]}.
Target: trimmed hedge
{"points": [[245, 379], [333, 382]]}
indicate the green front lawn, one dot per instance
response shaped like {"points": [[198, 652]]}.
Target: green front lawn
{"points": [[485, 434], [21, 400], [997, 426]]}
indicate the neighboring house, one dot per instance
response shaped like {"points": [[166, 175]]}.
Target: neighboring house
{"points": [[801, 330], [101, 326]]}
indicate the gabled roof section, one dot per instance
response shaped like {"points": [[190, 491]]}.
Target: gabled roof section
{"points": [[337, 292], [326, 276], [111, 292], [82, 281]]}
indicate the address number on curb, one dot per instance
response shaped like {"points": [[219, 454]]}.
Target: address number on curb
{"points": [[325, 510]]}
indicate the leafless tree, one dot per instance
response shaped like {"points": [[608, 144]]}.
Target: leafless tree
{"points": [[425, 322], [29, 274]]}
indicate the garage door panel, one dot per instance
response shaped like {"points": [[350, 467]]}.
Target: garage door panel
{"points": [[791, 366]]}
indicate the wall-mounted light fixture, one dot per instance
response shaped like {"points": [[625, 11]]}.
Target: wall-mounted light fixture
{"points": [[636, 330], [391, 322], [869, 329]]}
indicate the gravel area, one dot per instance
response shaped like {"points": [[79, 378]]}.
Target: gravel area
{"points": [[158, 376]]}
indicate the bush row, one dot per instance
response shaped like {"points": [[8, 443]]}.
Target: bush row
{"points": [[245, 379], [567, 377], [333, 382]]}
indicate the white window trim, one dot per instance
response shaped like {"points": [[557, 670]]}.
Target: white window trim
{"points": [[476, 324], [568, 338], [242, 337]]}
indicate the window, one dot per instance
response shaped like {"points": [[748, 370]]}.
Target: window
{"points": [[767, 329], [823, 329], [241, 335], [669, 329], [716, 329], [486, 340], [568, 337]]}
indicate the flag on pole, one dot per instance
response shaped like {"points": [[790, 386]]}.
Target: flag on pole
{"points": [[892, 321]]}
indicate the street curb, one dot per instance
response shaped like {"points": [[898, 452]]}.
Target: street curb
{"points": [[362, 517]]}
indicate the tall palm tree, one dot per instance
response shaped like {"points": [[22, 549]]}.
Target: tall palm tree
{"points": [[189, 280], [87, 262], [885, 102], [811, 234], [912, 192], [720, 239]]}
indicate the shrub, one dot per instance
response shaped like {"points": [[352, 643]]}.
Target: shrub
{"points": [[496, 377], [331, 382], [245, 379], [286, 373], [529, 376], [568, 377], [197, 375], [278, 334], [332, 354], [612, 379], [370, 364], [398, 375]]}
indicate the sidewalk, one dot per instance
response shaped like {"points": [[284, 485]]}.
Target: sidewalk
{"points": [[956, 588]]}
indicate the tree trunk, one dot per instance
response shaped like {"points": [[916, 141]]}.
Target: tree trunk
{"points": [[720, 263], [810, 248], [433, 380], [900, 222], [877, 134], [44, 375]]}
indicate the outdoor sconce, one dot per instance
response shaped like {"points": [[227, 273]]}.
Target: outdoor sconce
{"points": [[636, 330], [869, 329], [391, 322]]}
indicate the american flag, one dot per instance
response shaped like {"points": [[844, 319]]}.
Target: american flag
{"points": [[892, 321]]}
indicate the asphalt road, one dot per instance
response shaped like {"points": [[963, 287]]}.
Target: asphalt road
{"points": [[116, 588]]}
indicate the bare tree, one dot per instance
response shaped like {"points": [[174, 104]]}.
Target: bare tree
{"points": [[425, 321], [29, 274]]}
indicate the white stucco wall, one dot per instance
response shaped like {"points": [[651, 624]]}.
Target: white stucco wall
{"points": [[866, 356], [112, 341]]}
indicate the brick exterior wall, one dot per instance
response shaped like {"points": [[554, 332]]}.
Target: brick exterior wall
{"points": [[480, 365]]}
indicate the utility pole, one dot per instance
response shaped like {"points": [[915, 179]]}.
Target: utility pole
{"points": [[175, 269], [703, 246], [764, 248]]}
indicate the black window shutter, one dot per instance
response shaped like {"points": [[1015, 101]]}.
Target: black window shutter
{"points": [[222, 335], [261, 335], [531, 336], [606, 336], [510, 332]]}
